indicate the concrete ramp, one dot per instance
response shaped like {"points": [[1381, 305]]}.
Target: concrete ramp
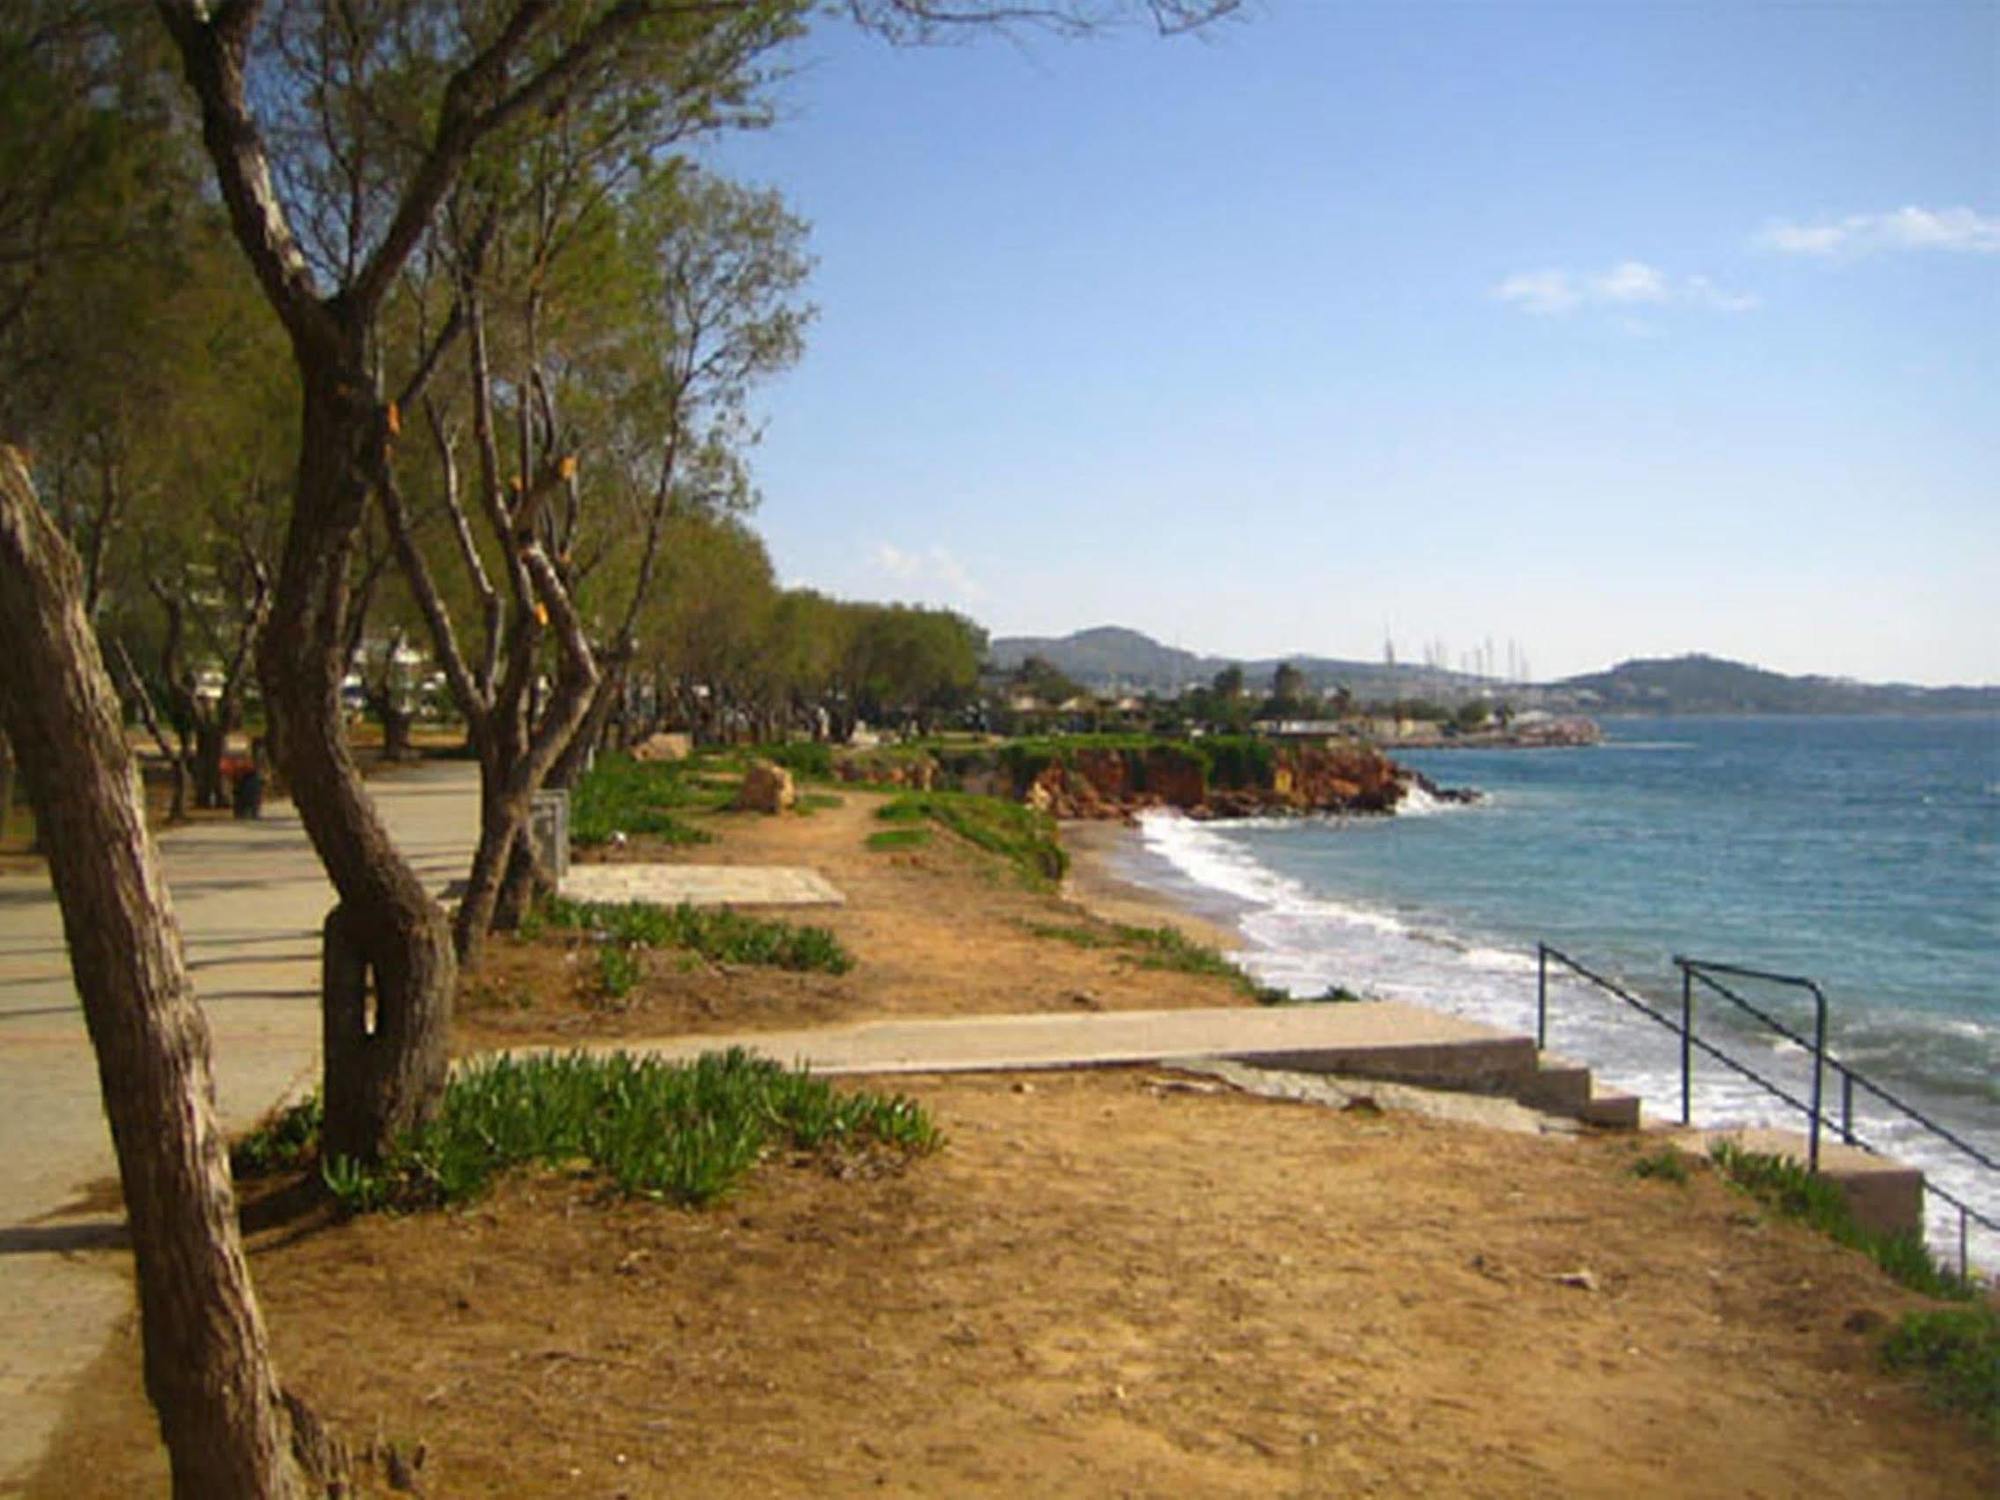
{"points": [[1368, 1039]]}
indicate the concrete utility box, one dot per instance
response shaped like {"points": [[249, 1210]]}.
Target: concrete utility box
{"points": [[548, 832]]}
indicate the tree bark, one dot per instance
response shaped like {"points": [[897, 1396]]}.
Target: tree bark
{"points": [[387, 1073], [211, 734], [207, 1360], [6, 787]]}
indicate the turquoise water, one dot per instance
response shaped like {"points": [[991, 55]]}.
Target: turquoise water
{"points": [[1864, 853]]}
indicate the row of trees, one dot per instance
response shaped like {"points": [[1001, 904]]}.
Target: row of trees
{"points": [[494, 339]]}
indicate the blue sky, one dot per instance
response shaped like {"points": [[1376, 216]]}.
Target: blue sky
{"points": [[1609, 328]]}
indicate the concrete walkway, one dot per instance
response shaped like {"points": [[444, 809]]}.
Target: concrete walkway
{"points": [[250, 897], [1385, 1038]]}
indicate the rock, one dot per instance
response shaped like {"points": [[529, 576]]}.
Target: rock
{"points": [[766, 788], [1583, 1279], [663, 747]]}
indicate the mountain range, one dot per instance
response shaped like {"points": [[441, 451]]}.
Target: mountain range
{"points": [[1110, 658]]}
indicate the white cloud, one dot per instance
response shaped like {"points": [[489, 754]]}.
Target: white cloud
{"points": [[1539, 291], [1907, 228], [930, 565], [1701, 292], [1629, 283]]}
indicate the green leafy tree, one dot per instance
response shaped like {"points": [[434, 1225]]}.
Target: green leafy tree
{"points": [[1045, 682], [367, 119], [1288, 693]]}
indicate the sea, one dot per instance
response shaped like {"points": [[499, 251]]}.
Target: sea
{"points": [[1862, 853]]}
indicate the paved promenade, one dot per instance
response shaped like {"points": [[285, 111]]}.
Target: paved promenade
{"points": [[1382, 1037], [250, 897]]}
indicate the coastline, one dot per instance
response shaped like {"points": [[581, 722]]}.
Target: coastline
{"points": [[1102, 880]]}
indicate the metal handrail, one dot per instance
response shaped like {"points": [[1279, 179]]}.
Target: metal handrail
{"points": [[1704, 971], [1693, 969]]}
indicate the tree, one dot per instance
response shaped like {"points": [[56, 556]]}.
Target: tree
{"points": [[1047, 683], [1288, 692], [229, 1430], [911, 663], [371, 116], [392, 103], [637, 307]]}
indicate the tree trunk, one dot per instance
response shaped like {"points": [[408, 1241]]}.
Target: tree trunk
{"points": [[503, 821], [177, 805], [6, 787], [525, 883], [207, 1360], [210, 736], [385, 1072], [396, 726]]}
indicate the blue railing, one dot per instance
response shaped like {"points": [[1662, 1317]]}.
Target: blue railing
{"points": [[1709, 975]]}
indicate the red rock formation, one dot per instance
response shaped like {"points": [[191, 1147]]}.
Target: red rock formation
{"points": [[1303, 779]]}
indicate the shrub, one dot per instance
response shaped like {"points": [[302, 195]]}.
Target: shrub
{"points": [[715, 933], [281, 1142], [622, 795], [1786, 1186], [1955, 1354], [1664, 1165], [674, 1132], [618, 970]]}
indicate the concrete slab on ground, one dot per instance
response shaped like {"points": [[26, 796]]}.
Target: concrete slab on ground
{"points": [[1337, 1091], [1373, 1037], [702, 885]]}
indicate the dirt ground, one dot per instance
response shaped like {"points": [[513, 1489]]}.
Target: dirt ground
{"points": [[1108, 1283], [938, 930]]}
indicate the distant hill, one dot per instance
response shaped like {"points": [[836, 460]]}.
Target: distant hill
{"points": [[1097, 658], [1710, 685], [1111, 657]]}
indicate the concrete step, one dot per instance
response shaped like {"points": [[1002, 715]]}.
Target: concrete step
{"points": [[1560, 1086], [1611, 1109]]}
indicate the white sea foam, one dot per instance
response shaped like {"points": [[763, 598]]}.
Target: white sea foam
{"points": [[1303, 943]]}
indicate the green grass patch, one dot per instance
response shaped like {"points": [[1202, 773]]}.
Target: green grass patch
{"points": [[806, 760], [1664, 1165], [1163, 947], [714, 933], [650, 798], [1788, 1188], [1954, 1353], [281, 1142], [619, 970], [681, 1133], [813, 802], [1023, 837], [899, 838]]}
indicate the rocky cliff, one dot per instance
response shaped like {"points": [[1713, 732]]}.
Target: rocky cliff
{"points": [[1290, 780]]}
